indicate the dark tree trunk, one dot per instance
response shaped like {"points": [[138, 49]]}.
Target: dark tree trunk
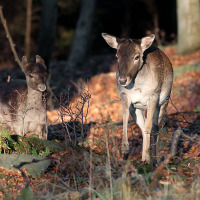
{"points": [[153, 10], [47, 31], [126, 26], [188, 25], [28, 29], [82, 34]]}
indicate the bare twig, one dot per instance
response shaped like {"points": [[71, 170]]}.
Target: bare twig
{"points": [[12, 45], [180, 121], [180, 114], [188, 137], [185, 112], [77, 111]]}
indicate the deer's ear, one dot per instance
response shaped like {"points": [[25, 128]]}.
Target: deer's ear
{"points": [[146, 42], [24, 60], [40, 60], [111, 40]]}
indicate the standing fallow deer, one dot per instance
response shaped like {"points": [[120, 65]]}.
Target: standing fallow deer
{"points": [[144, 80], [21, 102]]}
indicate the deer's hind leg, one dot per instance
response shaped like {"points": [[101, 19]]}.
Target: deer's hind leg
{"points": [[155, 132], [150, 124], [138, 117], [162, 111], [157, 118]]}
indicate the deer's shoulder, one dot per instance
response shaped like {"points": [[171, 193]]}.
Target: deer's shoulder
{"points": [[153, 56]]}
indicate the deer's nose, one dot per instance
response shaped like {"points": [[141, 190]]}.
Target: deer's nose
{"points": [[122, 81], [41, 87]]}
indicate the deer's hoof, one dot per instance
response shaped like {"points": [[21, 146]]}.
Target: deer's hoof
{"points": [[146, 159], [125, 156], [155, 163], [125, 151]]}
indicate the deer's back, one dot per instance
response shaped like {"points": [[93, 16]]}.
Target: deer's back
{"points": [[155, 60], [12, 96], [160, 65]]}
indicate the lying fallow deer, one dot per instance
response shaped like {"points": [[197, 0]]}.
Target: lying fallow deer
{"points": [[21, 105], [144, 79]]}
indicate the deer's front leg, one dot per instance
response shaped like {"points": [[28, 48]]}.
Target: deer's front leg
{"points": [[152, 104], [125, 111], [41, 131]]}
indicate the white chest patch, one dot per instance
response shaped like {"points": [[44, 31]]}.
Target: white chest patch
{"points": [[139, 93]]}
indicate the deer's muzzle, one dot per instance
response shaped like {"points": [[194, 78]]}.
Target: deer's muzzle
{"points": [[41, 87], [122, 81]]}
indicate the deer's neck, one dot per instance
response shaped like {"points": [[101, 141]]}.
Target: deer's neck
{"points": [[34, 98]]}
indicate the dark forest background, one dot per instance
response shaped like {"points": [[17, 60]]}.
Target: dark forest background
{"points": [[128, 18], [67, 33]]}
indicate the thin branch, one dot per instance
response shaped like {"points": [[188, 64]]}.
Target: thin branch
{"points": [[188, 137], [31, 162], [180, 113], [180, 121], [12, 45], [184, 112]]}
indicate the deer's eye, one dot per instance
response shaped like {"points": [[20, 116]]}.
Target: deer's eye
{"points": [[137, 57], [30, 75]]}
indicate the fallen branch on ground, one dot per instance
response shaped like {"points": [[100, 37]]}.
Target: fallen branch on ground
{"points": [[188, 137], [169, 157], [33, 161]]}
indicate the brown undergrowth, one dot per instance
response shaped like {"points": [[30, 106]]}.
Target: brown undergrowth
{"points": [[91, 167]]}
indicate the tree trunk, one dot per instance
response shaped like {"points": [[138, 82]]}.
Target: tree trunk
{"points": [[82, 34], [28, 29], [153, 10], [126, 26], [188, 25], [47, 30]]}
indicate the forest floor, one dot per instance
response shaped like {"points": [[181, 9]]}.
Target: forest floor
{"points": [[92, 157]]}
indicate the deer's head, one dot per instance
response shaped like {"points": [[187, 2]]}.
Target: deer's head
{"points": [[129, 55], [35, 73]]}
